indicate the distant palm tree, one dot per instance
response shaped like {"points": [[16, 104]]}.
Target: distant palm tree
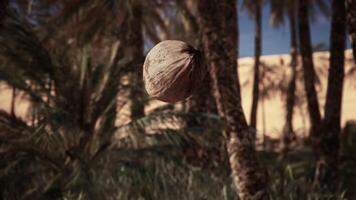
{"points": [[325, 132], [308, 68], [255, 9], [279, 9], [328, 164], [218, 21]]}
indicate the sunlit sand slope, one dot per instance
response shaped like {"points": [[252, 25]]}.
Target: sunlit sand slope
{"points": [[271, 110], [271, 115]]}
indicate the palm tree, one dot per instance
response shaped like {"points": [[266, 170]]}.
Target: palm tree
{"points": [[325, 131], [199, 101], [70, 101], [278, 10], [351, 24], [255, 9], [329, 143], [218, 20], [106, 13], [308, 68], [13, 102]]}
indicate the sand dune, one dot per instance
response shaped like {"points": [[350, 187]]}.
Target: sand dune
{"points": [[274, 106], [271, 109]]}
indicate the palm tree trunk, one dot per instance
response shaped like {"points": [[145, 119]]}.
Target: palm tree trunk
{"points": [[13, 102], [256, 76], [351, 24], [135, 40], [218, 20], [331, 126], [308, 70], [202, 99], [264, 138], [288, 131]]}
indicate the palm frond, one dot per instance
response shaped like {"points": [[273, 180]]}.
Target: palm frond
{"points": [[278, 12]]}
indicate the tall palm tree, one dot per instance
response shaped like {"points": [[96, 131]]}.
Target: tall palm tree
{"points": [[184, 26], [255, 9], [351, 23], [201, 100], [329, 142], [308, 68], [218, 20], [325, 131], [278, 10]]}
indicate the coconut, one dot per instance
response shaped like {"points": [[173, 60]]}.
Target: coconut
{"points": [[172, 71]]}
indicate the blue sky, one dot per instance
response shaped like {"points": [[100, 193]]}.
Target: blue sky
{"points": [[276, 41]]}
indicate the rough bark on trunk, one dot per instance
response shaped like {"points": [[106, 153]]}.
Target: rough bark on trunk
{"points": [[218, 20], [256, 75], [202, 99], [288, 131], [329, 143], [308, 69], [135, 41], [351, 24]]}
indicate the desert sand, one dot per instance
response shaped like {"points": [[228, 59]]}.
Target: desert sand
{"points": [[271, 116]]}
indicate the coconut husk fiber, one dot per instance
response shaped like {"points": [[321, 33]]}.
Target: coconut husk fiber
{"points": [[172, 71]]}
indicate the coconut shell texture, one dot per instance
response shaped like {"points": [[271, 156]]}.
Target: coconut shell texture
{"points": [[172, 71]]}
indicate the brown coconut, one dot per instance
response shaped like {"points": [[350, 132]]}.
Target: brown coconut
{"points": [[172, 71]]}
